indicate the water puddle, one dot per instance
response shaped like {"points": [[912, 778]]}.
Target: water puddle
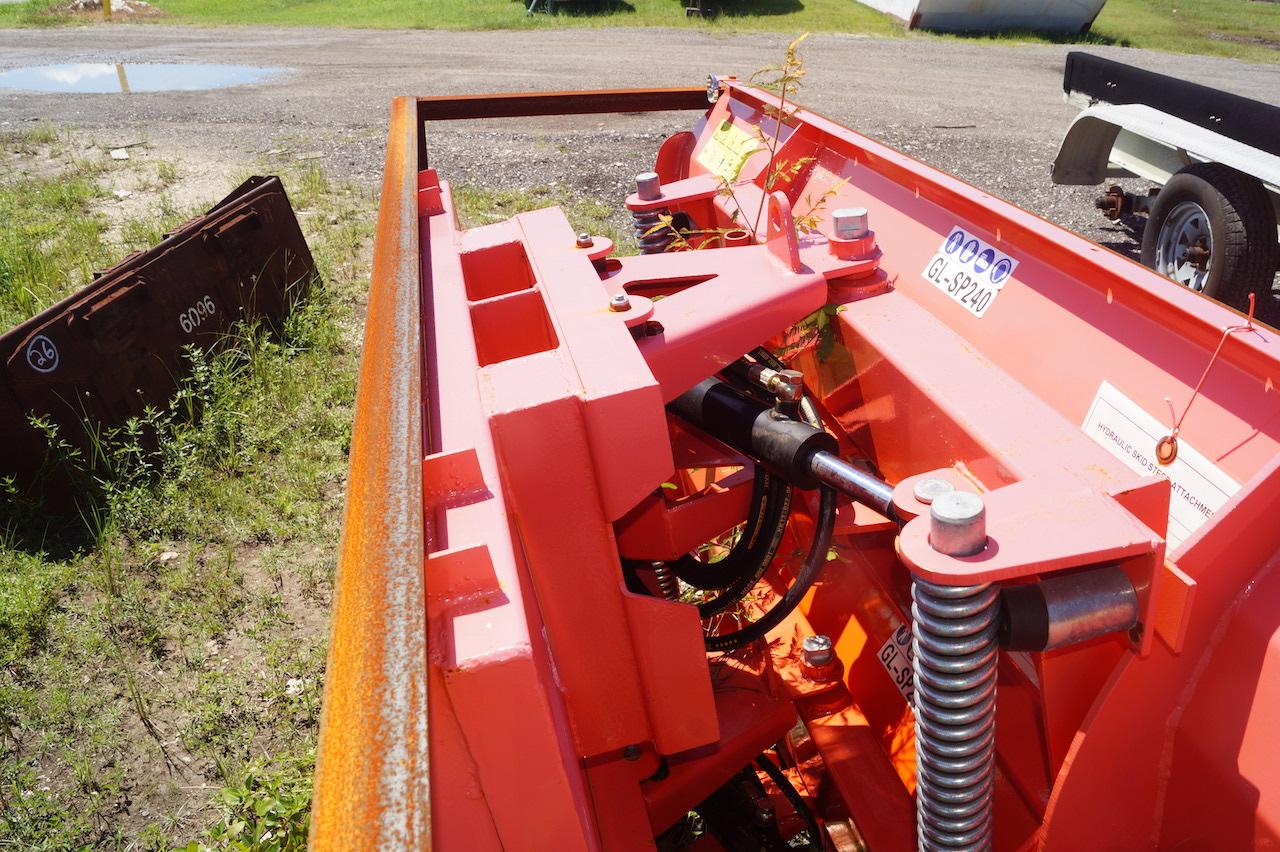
{"points": [[105, 77]]}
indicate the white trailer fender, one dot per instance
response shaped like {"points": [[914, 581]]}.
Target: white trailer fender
{"points": [[1110, 140]]}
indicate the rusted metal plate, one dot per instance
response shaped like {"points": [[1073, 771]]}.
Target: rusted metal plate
{"points": [[103, 354]]}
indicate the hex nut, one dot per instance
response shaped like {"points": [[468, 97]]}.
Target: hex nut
{"points": [[850, 223], [817, 650]]}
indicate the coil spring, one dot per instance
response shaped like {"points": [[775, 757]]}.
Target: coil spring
{"points": [[954, 651], [668, 582], [650, 243]]}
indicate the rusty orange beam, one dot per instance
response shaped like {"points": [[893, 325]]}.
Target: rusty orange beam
{"points": [[372, 782], [519, 104]]}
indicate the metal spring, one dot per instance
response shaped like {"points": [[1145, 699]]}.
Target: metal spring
{"points": [[668, 582], [645, 221], [954, 650]]}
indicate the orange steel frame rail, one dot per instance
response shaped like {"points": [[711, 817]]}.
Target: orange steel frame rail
{"points": [[373, 774], [509, 442]]}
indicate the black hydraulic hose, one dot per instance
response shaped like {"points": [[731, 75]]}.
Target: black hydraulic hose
{"points": [[714, 576], [813, 565], [749, 557], [756, 560], [783, 784]]}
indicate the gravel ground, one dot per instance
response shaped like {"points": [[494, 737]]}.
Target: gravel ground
{"points": [[990, 113]]}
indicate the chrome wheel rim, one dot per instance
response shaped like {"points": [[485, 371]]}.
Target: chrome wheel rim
{"points": [[1185, 247]]}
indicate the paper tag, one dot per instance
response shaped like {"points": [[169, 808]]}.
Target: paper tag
{"points": [[727, 150], [1199, 487]]}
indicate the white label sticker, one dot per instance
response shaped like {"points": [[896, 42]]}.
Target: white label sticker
{"points": [[1199, 487], [969, 270], [895, 656]]}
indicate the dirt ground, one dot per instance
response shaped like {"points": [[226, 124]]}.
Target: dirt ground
{"points": [[990, 113]]}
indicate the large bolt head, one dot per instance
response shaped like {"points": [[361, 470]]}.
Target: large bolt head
{"points": [[817, 650], [648, 186], [584, 240], [958, 524], [620, 302], [851, 223]]}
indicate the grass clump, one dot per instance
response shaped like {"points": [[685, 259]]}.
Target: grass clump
{"points": [[480, 206], [52, 239]]}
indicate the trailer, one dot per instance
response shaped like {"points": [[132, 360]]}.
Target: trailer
{"points": [[1211, 224], [860, 510]]}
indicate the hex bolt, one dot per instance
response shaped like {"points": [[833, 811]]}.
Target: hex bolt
{"points": [[713, 88], [851, 223], [928, 490], [817, 650], [620, 303], [648, 186], [584, 240], [958, 523]]}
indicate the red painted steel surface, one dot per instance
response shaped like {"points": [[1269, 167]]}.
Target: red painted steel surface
{"points": [[568, 712]]}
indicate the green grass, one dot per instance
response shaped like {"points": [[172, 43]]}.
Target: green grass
{"points": [[480, 206], [781, 15], [52, 239], [1242, 29], [162, 654], [1234, 28]]}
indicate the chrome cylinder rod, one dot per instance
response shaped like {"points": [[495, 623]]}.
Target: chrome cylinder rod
{"points": [[831, 470]]}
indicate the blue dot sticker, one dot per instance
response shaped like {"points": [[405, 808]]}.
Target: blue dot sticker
{"points": [[1001, 271], [984, 261], [954, 243], [970, 249]]}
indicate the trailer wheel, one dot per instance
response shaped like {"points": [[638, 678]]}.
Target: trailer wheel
{"points": [[1213, 229]]}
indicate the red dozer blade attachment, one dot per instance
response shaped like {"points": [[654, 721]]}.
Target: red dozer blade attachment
{"points": [[861, 505]]}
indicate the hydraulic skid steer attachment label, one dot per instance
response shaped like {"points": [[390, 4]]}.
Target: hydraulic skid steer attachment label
{"points": [[727, 151], [1199, 487], [972, 272]]}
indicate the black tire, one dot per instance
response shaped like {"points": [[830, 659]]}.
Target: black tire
{"points": [[1242, 225]]}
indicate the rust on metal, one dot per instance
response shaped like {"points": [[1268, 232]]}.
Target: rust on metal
{"points": [[520, 104], [105, 353], [372, 789]]}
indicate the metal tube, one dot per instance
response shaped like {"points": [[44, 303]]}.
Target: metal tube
{"points": [[831, 470], [1068, 609]]}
